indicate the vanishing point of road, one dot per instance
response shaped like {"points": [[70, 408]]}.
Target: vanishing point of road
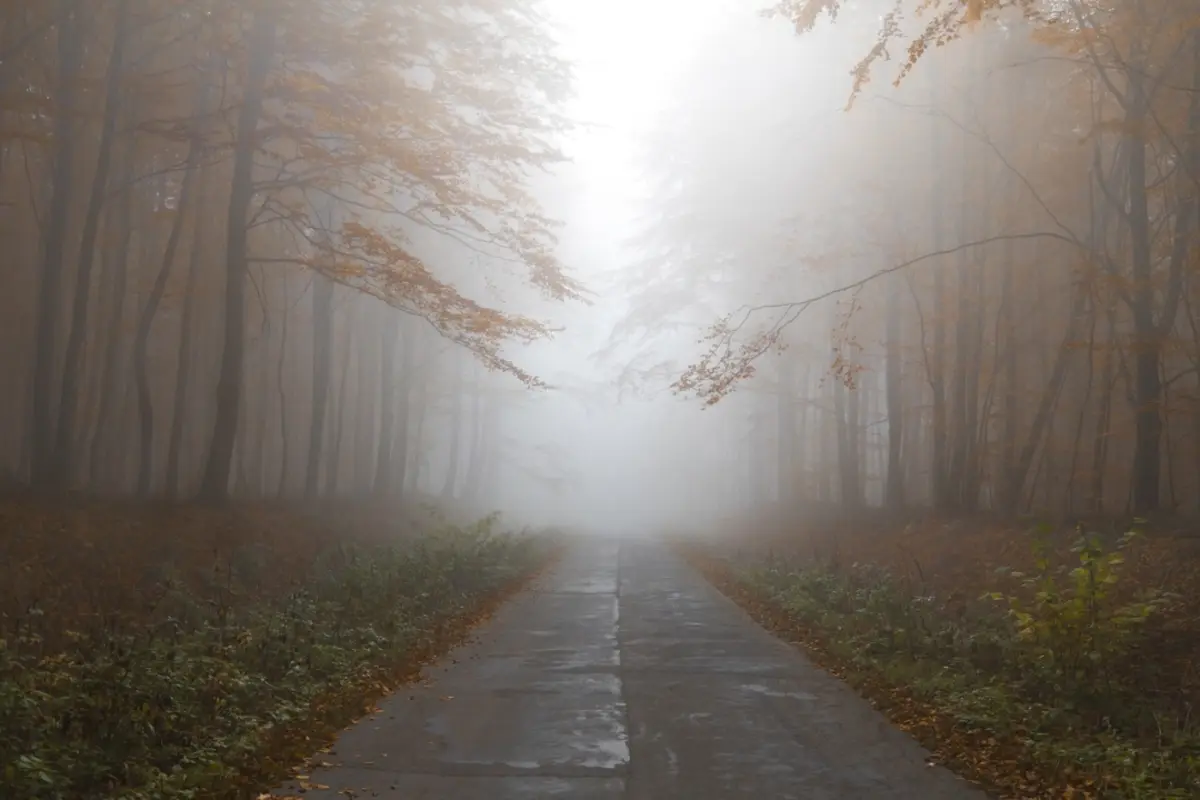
{"points": [[622, 674]]}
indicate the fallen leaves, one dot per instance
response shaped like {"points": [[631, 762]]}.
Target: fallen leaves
{"points": [[265, 686], [1004, 761]]}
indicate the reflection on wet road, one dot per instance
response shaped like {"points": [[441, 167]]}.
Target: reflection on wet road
{"points": [[624, 675]]}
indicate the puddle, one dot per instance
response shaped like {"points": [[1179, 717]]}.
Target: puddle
{"points": [[766, 691], [603, 753]]}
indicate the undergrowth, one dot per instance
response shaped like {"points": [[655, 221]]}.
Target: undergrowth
{"points": [[1047, 680], [213, 694]]}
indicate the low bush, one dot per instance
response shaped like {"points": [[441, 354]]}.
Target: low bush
{"points": [[211, 695]]}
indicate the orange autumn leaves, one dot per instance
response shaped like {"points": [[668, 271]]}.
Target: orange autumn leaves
{"points": [[380, 136]]}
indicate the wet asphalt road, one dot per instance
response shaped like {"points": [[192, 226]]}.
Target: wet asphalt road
{"points": [[623, 674]]}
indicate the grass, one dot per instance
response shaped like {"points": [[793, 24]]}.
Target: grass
{"points": [[164, 674], [1067, 676]]}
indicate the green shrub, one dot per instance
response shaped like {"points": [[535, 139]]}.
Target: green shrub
{"points": [[185, 707], [1052, 663], [1072, 626]]}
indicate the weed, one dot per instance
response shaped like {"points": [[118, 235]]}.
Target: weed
{"points": [[217, 692], [1039, 688]]}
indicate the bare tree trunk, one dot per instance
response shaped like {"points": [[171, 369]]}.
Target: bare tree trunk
{"points": [[418, 443], [70, 56], [1043, 418], [451, 482], [215, 484], [400, 448], [846, 452], [1147, 455], [110, 383], [1151, 330], [476, 454], [1009, 502], [785, 442], [364, 455], [184, 356], [854, 435], [62, 461], [141, 339], [387, 411], [937, 366], [257, 473], [1077, 442], [1103, 416], [894, 493], [281, 488], [334, 468], [322, 350], [803, 452]]}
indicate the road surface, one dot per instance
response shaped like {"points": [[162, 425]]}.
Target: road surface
{"points": [[623, 674]]}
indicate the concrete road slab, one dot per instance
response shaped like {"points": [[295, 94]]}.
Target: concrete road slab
{"points": [[623, 674]]}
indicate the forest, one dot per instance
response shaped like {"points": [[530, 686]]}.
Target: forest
{"points": [[1001, 288], [958, 320], [132, 126], [258, 287], [905, 293]]}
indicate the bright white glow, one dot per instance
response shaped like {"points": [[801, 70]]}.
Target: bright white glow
{"points": [[627, 56]]}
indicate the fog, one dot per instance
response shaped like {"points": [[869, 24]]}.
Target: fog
{"points": [[764, 278]]}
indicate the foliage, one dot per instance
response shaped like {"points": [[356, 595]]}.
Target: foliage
{"points": [[1071, 626], [1041, 688], [217, 696], [192, 156]]}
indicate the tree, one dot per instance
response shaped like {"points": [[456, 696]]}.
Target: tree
{"points": [[396, 168]]}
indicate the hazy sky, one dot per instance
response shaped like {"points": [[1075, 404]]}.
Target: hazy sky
{"points": [[638, 65], [628, 56]]}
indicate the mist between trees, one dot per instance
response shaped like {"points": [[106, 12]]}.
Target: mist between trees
{"points": [[259, 249], [980, 275], [219, 221]]}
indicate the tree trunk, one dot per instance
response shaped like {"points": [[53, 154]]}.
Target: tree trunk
{"points": [[257, 472], [1150, 330], [846, 452], [215, 484], [111, 384], [451, 481], [70, 55], [1050, 393], [322, 350], [340, 412], [184, 356], [894, 493], [477, 456], [1104, 415], [387, 411], [785, 415], [418, 443], [61, 469], [400, 448], [145, 401], [854, 437], [281, 488]]}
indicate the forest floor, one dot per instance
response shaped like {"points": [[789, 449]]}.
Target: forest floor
{"points": [[1039, 662], [157, 651]]}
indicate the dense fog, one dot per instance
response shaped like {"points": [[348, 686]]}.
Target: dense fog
{"points": [[618, 265]]}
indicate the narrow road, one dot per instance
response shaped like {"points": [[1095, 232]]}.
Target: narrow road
{"points": [[623, 674]]}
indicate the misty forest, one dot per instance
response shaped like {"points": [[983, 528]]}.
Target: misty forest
{"points": [[331, 325]]}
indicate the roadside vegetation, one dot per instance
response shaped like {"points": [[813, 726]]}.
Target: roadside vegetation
{"points": [[192, 653], [1040, 662]]}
